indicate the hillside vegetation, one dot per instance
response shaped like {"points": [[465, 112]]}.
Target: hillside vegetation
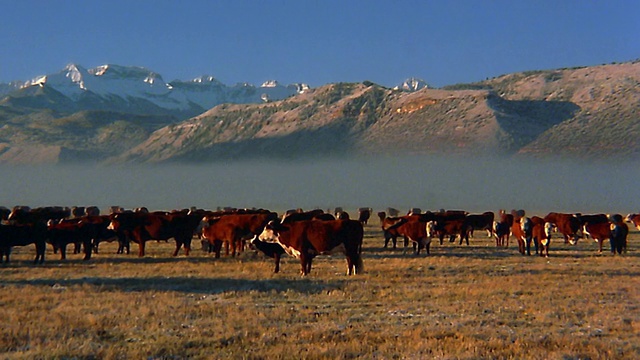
{"points": [[590, 112]]}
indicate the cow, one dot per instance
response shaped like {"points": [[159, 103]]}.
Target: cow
{"points": [[98, 227], [599, 232], [270, 249], [567, 224], [232, 229], [393, 212], [342, 215], [390, 232], [141, 227], [473, 222], [445, 223], [20, 235], [411, 227], [634, 219], [308, 238], [619, 233], [64, 232], [26, 215], [364, 214], [522, 229], [381, 216], [541, 233], [502, 229], [591, 219]]}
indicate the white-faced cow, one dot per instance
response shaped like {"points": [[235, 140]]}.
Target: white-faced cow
{"points": [[308, 238]]}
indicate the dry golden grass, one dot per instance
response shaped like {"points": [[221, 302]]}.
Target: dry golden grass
{"points": [[460, 302]]}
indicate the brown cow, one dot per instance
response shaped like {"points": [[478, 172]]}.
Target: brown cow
{"points": [[522, 229], [567, 224], [599, 232], [231, 230], [634, 219], [141, 227], [411, 227], [541, 233], [390, 230], [309, 238]]}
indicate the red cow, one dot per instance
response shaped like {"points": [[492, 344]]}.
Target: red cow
{"points": [[141, 227], [411, 227], [232, 229], [599, 232], [522, 229], [567, 224], [390, 229], [541, 233], [309, 238]]}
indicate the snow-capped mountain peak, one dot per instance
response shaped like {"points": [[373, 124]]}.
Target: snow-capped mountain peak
{"points": [[134, 83], [412, 84]]}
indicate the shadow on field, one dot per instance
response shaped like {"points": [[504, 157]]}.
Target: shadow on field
{"points": [[188, 284]]}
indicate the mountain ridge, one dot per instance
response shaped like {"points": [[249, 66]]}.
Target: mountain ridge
{"points": [[587, 113]]}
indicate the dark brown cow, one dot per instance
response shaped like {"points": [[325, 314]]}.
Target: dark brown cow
{"points": [[445, 223], [342, 215], [364, 214], [21, 235], [26, 215], [271, 249], [567, 224], [309, 238], [502, 229], [634, 219], [73, 231], [140, 227], [473, 222], [231, 230]]}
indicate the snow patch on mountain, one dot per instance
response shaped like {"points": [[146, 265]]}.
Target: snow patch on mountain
{"points": [[412, 84], [133, 83]]}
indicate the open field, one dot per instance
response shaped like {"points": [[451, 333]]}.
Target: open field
{"points": [[460, 302]]}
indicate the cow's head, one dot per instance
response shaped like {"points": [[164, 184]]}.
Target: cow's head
{"points": [[431, 229], [272, 231]]}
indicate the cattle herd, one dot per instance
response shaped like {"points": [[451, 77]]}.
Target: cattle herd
{"points": [[301, 234]]}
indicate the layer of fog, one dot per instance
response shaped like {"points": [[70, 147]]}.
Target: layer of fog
{"points": [[475, 185]]}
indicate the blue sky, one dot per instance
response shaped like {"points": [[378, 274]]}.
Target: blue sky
{"points": [[317, 42]]}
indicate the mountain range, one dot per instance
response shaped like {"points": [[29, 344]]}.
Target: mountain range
{"points": [[116, 114]]}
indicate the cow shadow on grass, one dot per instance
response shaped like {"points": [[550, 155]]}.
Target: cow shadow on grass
{"points": [[190, 285]]}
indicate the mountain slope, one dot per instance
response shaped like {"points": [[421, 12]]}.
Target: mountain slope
{"points": [[355, 119]]}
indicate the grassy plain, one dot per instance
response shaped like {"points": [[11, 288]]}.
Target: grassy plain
{"points": [[460, 302]]}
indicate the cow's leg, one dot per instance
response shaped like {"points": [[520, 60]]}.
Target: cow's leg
{"points": [[141, 244], [276, 257], [87, 249], [63, 251], [178, 246]]}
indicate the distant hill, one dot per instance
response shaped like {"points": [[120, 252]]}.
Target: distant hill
{"points": [[589, 112]]}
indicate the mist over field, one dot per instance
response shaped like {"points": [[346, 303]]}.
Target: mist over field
{"points": [[476, 185]]}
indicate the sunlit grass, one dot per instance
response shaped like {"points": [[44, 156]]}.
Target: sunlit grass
{"points": [[459, 302]]}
